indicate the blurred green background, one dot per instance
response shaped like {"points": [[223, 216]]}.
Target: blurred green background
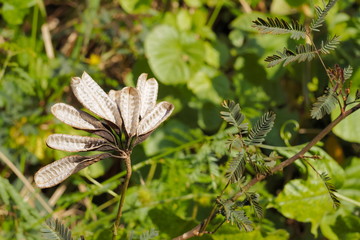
{"points": [[201, 52]]}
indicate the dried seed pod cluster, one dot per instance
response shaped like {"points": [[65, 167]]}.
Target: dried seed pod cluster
{"points": [[129, 116]]}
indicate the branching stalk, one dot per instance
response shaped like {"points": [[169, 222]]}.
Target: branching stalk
{"points": [[122, 198], [200, 229]]}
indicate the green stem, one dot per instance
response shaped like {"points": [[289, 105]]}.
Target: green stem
{"points": [[122, 198], [349, 200], [215, 14]]}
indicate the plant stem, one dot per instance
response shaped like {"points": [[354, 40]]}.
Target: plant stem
{"points": [[289, 161], [199, 230], [122, 198]]}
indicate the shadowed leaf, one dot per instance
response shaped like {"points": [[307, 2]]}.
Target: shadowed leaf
{"points": [[324, 105]]}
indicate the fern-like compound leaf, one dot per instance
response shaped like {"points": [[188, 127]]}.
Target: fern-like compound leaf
{"points": [[152, 233], [241, 220], [262, 127], [320, 15], [54, 229], [73, 143], [253, 199], [258, 163], [324, 105], [304, 52], [56, 172], [280, 26], [228, 210], [233, 116], [329, 45], [331, 189], [236, 168], [348, 72]]}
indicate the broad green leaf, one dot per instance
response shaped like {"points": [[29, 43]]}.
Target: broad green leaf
{"points": [[14, 11], [351, 186], [347, 227], [135, 6], [341, 227], [231, 232], [296, 3], [349, 128], [162, 217], [212, 56], [168, 136], [183, 20], [305, 201], [174, 56], [193, 3], [280, 7], [208, 117], [325, 163], [204, 88]]}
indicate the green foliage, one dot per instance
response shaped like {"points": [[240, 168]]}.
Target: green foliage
{"points": [[324, 104], [236, 216], [201, 52], [280, 26], [262, 127], [236, 168], [253, 199], [152, 233], [320, 15], [234, 116], [331, 189], [329, 45], [54, 229]]}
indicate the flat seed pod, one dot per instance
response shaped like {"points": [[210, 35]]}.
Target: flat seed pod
{"points": [[148, 94], [56, 172], [114, 94], [141, 81], [141, 138], [72, 143], [129, 103], [75, 118], [155, 117], [90, 94]]}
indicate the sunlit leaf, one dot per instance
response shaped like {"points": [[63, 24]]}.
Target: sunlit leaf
{"points": [[173, 55]]}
